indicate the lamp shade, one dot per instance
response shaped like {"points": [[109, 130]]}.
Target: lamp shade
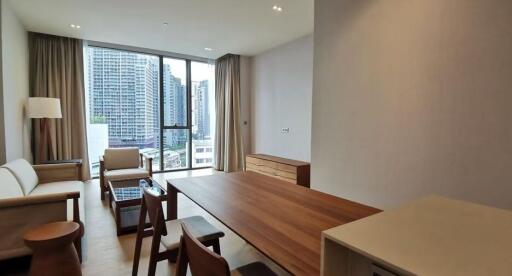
{"points": [[39, 107]]}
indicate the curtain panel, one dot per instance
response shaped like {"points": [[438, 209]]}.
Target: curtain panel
{"points": [[228, 153], [57, 71]]}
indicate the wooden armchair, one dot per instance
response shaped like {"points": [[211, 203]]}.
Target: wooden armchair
{"points": [[122, 164]]}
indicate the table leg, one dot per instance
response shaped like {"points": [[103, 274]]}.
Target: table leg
{"points": [[172, 202], [140, 235]]}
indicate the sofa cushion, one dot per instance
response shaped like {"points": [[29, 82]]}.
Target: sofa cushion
{"points": [[9, 186], [24, 173], [123, 174], [121, 158], [61, 187]]}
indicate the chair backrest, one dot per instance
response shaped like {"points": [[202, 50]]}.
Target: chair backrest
{"points": [[121, 158], [155, 212], [201, 260]]}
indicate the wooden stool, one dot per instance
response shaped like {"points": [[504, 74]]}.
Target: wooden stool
{"points": [[54, 253]]}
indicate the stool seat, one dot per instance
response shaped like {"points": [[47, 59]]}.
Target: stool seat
{"points": [[52, 234], [200, 228]]}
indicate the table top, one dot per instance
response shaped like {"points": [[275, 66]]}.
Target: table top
{"points": [[434, 236], [282, 220], [132, 189]]}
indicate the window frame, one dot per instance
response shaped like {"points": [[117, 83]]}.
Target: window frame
{"points": [[161, 55]]}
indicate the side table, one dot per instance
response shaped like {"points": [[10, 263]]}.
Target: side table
{"points": [[54, 253]]}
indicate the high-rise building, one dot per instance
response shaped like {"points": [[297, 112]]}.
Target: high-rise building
{"points": [[156, 104], [201, 110], [175, 105], [123, 91]]}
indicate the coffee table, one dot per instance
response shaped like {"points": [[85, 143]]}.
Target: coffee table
{"points": [[125, 199]]}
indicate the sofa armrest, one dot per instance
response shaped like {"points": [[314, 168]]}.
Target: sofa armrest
{"points": [[24, 213], [59, 172], [37, 199], [147, 162], [48, 199]]}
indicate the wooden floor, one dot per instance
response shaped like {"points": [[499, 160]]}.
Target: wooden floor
{"points": [[107, 254]]}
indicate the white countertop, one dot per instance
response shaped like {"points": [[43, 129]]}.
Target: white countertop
{"points": [[434, 236]]}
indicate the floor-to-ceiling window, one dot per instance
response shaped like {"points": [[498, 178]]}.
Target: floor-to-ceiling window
{"points": [[203, 115], [162, 105]]}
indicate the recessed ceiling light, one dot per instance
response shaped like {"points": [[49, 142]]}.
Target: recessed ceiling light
{"points": [[78, 26], [277, 8], [74, 26], [208, 49], [166, 24]]}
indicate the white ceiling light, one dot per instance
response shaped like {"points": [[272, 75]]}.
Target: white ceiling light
{"points": [[208, 49], [277, 8], [166, 24], [74, 26]]}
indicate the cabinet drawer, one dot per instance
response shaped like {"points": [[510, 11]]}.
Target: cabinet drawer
{"points": [[285, 175], [284, 169]]}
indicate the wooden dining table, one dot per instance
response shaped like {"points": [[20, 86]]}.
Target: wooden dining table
{"points": [[282, 220]]}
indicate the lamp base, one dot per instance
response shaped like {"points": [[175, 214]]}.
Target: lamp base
{"points": [[45, 138]]}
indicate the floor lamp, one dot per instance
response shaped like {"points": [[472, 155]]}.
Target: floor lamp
{"points": [[44, 109]]}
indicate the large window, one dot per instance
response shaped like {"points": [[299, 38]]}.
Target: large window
{"points": [[203, 117], [162, 105]]}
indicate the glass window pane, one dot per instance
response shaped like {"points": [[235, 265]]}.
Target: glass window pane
{"points": [[175, 92], [175, 149], [203, 113], [122, 102]]}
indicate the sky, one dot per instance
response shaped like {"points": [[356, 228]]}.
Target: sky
{"points": [[200, 70]]}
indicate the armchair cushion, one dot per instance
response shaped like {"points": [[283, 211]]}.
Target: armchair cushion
{"points": [[62, 187], [9, 186], [24, 173], [121, 158], [125, 174]]}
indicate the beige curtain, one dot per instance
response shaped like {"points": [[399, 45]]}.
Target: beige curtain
{"points": [[228, 155], [57, 71]]}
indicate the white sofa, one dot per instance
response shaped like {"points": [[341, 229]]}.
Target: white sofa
{"points": [[34, 195]]}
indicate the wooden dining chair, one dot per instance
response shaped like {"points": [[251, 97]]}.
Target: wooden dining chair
{"points": [[204, 262], [168, 233]]}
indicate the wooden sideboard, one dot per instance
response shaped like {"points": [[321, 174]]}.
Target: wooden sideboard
{"points": [[293, 171]]}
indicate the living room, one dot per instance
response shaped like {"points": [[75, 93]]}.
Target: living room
{"points": [[255, 137]]}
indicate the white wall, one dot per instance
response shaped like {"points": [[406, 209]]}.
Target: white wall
{"points": [[2, 128], [15, 84], [413, 98], [281, 89]]}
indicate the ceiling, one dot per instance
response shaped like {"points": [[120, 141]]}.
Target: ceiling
{"points": [[245, 27]]}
